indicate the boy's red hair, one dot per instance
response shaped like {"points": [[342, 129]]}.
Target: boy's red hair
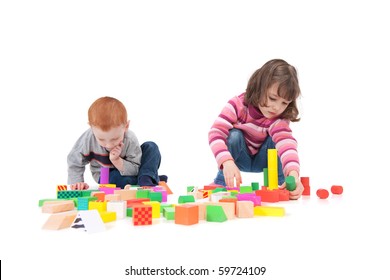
{"points": [[106, 113]]}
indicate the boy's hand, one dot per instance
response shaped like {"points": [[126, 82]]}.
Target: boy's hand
{"points": [[79, 186], [231, 172], [116, 152]]}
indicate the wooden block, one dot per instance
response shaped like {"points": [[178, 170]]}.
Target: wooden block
{"points": [[126, 194], [186, 214], [245, 209], [269, 211], [57, 206], [60, 221]]}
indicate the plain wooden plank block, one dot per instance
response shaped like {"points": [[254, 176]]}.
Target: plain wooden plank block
{"points": [[57, 206]]}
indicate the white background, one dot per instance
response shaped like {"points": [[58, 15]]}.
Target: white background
{"points": [[174, 64]]}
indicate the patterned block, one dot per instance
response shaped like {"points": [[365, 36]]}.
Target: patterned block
{"points": [[68, 194], [142, 215]]}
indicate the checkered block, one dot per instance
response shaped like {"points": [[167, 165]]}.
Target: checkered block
{"points": [[68, 194], [142, 215]]}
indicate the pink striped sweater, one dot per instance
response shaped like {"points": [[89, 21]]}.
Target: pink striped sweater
{"points": [[256, 128]]}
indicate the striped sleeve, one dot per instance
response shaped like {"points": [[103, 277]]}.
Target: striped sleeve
{"points": [[286, 145], [219, 131]]}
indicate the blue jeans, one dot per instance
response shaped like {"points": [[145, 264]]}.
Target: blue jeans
{"points": [[244, 160], [150, 162]]}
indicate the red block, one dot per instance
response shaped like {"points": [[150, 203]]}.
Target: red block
{"points": [[322, 193], [336, 189], [142, 215]]}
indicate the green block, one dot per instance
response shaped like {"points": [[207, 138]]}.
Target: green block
{"points": [[190, 189], [218, 190], [255, 186], [215, 213], [290, 183], [186, 198], [68, 194], [246, 189], [142, 194], [169, 213], [265, 174], [155, 196], [86, 193], [164, 205], [129, 212]]}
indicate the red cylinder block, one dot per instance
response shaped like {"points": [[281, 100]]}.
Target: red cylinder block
{"points": [[322, 193], [336, 189]]}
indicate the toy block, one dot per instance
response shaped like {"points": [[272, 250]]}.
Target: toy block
{"points": [[265, 177], [272, 169], [86, 193], [218, 189], [89, 221], [144, 193], [155, 208], [130, 202], [57, 206], [186, 214], [126, 194], [210, 188], [335, 189], [215, 213], [155, 196], [306, 185], [104, 175], [62, 188], [68, 194], [129, 212], [290, 183], [228, 208], [230, 200], [215, 197], [100, 195], [164, 205], [250, 197], [169, 213], [268, 211], [246, 189], [41, 201], [165, 187], [191, 189], [83, 202], [112, 197], [119, 207], [107, 216], [268, 195], [322, 193], [108, 190], [205, 193], [186, 199], [109, 186], [255, 186], [60, 221], [284, 195], [98, 205], [142, 215], [244, 209]]}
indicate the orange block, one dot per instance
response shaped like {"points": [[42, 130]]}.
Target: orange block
{"points": [[165, 187], [186, 214]]}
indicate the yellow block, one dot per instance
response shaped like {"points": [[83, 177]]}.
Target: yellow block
{"points": [[107, 216], [272, 169], [107, 186], [155, 208], [268, 211], [98, 205]]}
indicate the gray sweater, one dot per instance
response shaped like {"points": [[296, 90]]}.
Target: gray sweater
{"points": [[87, 150]]}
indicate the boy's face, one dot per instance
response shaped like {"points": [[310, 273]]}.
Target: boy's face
{"points": [[111, 138], [275, 104]]}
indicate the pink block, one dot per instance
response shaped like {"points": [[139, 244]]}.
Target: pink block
{"points": [[108, 190]]}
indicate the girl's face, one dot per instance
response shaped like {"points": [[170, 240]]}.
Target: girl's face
{"points": [[275, 104]]}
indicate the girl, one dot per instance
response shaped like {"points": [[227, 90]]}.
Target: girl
{"points": [[258, 120]]}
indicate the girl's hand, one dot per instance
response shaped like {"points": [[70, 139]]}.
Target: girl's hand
{"points": [[231, 172]]}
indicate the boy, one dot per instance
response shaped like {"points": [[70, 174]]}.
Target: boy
{"points": [[109, 143]]}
